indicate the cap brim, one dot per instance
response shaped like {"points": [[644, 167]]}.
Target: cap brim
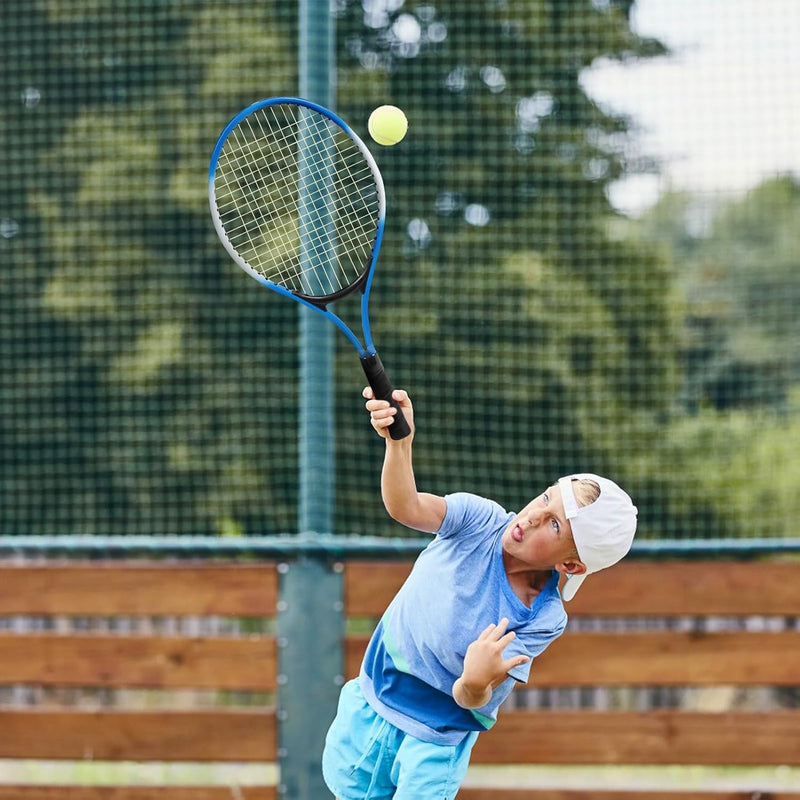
{"points": [[572, 585]]}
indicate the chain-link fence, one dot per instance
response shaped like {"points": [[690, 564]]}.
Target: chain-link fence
{"points": [[150, 387]]}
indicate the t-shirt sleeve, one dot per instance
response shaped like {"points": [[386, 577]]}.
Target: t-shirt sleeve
{"points": [[533, 642], [468, 513]]}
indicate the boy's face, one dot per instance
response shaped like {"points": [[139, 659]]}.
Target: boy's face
{"points": [[540, 535]]}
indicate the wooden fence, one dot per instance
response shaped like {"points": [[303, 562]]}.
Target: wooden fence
{"points": [[626, 657]]}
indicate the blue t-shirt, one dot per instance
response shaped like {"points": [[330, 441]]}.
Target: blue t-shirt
{"points": [[458, 586]]}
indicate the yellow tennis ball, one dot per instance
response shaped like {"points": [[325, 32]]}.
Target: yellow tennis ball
{"points": [[387, 125]]}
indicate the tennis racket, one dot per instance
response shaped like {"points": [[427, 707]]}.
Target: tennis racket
{"points": [[298, 202]]}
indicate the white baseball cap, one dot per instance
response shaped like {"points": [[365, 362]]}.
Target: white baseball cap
{"points": [[603, 531]]}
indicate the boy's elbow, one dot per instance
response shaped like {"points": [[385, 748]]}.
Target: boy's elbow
{"points": [[405, 514], [464, 702]]}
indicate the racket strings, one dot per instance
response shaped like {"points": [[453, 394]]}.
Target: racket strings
{"points": [[297, 200], [241, 170], [292, 271], [352, 225]]}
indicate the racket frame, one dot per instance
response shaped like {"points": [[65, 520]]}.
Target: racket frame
{"points": [[364, 282], [370, 360]]}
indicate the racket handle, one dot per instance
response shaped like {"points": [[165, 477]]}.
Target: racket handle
{"points": [[382, 388]]}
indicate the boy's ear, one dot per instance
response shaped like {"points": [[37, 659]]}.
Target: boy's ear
{"points": [[572, 566]]}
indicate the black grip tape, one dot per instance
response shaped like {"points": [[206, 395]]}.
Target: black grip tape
{"points": [[382, 389]]}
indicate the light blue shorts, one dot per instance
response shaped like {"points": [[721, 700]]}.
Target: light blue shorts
{"points": [[368, 758]]}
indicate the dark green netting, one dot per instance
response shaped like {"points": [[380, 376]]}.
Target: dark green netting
{"points": [[148, 386]]}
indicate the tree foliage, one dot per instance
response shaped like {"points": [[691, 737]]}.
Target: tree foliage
{"points": [[734, 447], [738, 273], [553, 337], [533, 341]]}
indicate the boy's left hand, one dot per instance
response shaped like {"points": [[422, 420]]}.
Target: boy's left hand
{"points": [[484, 665]]}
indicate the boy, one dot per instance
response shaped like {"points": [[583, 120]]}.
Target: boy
{"points": [[480, 604]]}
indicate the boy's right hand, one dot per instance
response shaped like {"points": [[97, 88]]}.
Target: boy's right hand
{"points": [[382, 415]]}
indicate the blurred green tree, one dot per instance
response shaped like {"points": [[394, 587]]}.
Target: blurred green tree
{"points": [[47, 387], [735, 445], [158, 380], [737, 264], [534, 340]]}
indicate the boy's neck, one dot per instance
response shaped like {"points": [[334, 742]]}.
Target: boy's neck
{"points": [[526, 583]]}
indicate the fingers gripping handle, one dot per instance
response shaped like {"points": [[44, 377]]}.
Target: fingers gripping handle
{"points": [[382, 387]]}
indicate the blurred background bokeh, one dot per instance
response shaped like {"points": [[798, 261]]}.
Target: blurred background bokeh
{"points": [[591, 262]]}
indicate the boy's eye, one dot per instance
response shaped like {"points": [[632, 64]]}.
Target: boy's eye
{"points": [[546, 497], [556, 526]]}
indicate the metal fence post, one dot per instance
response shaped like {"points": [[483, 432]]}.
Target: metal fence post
{"points": [[310, 619], [310, 670]]}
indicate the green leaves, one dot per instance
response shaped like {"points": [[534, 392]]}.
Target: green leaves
{"points": [[534, 337]]}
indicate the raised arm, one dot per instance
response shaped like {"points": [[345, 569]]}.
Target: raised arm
{"points": [[418, 510]]}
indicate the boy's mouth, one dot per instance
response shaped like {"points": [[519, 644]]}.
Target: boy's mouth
{"points": [[516, 533]]}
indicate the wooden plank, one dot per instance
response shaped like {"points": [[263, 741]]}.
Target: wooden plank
{"points": [[138, 588], [702, 588], [230, 735], [369, 586], [656, 737], [138, 661], [67, 792], [633, 588], [656, 658], [616, 794], [670, 658]]}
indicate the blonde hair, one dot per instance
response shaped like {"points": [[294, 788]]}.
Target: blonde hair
{"points": [[585, 491]]}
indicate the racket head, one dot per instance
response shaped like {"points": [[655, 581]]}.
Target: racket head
{"points": [[297, 199]]}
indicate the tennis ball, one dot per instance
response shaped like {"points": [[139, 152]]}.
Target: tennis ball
{"points": [[387, 125]]}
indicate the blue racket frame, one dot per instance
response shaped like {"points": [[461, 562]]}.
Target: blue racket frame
{"points": [[318, 304], [370, 361]]}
